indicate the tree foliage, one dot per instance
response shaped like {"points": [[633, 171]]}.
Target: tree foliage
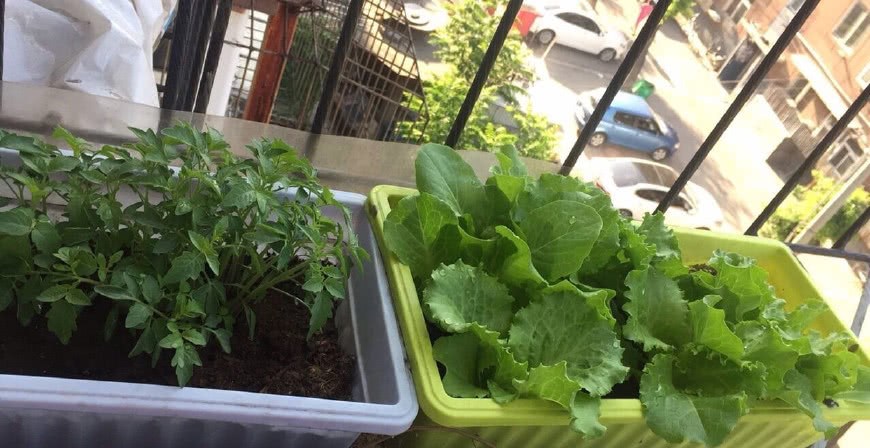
{"points": [[464, 40], [461, 45], [805, 202], [683, 8], [535, 136]]}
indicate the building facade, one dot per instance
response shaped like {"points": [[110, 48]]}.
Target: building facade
{"points": [[823, 71]]}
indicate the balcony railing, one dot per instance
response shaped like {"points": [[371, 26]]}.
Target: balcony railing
{"points": [[192, 63]]}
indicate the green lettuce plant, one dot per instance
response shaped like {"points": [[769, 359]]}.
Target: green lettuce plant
{"points": [[179, 252], [539, 288]]}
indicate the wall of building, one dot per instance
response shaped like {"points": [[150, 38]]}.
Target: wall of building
{"points": [[763, 13], [843, 65], [812, 109]]}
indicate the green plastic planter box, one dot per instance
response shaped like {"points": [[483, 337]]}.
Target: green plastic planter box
{"points": [[538, 423]]}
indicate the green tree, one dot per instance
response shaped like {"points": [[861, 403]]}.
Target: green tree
{"points": [[683, 8], [534, 138], [464, 40], [805, 202], [461, 44]]}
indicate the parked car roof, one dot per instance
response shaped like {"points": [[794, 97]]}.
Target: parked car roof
{"points": [[632, 103]]}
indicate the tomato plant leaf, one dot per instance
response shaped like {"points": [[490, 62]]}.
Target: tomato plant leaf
{"points": [[185, 266], [54, 293], [76, 296], [205, 247], [137, 315], [62, 320], [114, 292], [16, 222]]}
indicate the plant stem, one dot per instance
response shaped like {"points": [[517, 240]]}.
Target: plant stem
{"points": [[297, 299]]}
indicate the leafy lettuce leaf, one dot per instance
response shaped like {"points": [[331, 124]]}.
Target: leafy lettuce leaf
{"points": [[740, 282], [441, 172], [562, 326], [677, 416], [658, 317], [479, 364], [798, 393], [560, 236], [710, 329], [423, 232], [552, 187], [461, 295], [537, 282]]}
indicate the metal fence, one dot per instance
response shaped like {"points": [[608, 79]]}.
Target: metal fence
{"points": [[361, 50], [348, 61], [336, 87]]}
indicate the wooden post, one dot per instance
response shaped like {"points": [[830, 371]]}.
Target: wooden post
{"points": [[277, 40]]}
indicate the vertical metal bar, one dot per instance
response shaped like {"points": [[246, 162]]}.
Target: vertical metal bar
{"points": [[637, 49], [810, 161], [348, 28], [215, 46], [179, 58], [734, 108], [853, 229], [206, 15], [492, 51], [863, 304], [2, 30]]}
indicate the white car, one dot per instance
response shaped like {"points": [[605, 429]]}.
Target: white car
{"points": [[636, 187], [580, 28]]}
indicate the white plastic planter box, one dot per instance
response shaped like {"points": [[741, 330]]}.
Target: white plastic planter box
{"points": [[55, 412]]}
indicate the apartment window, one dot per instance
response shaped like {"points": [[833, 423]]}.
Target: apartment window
{"points": [[853, 25], [846, 155], [797, 89], [737, 9], [825, 126]]}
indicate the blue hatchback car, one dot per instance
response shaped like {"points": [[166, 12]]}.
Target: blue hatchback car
{"points": [[628, 122]]}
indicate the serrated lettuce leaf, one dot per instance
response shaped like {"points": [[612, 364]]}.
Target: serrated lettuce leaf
{"points": [[677, 416], [423, 232], [709, 328], [560, 236], [658, 317], [561, 326], [461, 295], [478, 364]]}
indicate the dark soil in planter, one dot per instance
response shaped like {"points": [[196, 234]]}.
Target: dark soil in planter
{"points": [[278, 361]]}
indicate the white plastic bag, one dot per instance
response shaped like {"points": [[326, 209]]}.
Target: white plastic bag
{"points": [[102, 47]]}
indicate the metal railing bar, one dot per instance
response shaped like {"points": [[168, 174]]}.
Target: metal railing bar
{"points": [[2, 30], [829, 252], [179, 59], [215, 46], [492, 51], [853, 229], [734, 108], [348, 28], [861, 311], [205, 22], [647, 33], [810, 161]]}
